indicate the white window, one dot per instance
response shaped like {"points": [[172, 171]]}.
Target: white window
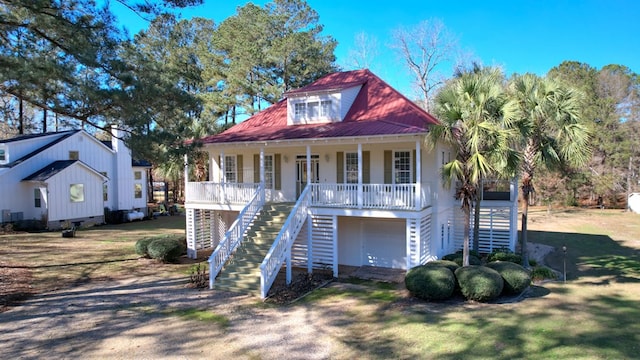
{"points": [[268, 171], [37, 198], [351, 168], [325, 108], [76, 192], [313, 110], [137, 191], [74, 155], [137, 175], [402, 167], [300, 110], [105, 192], [3, 156], [230, 169]]}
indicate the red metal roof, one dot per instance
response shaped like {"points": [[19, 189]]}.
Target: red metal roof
{"points": [[378, 109]]}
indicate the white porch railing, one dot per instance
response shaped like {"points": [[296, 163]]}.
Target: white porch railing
{"points": [[220, 193], [281, 248], [233, 237], [372, 196]]}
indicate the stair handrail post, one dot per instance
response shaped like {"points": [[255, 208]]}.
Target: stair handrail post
{"points": [[233, 237], [280, 251]]}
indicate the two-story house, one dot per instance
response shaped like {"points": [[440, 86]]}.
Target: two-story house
{"points": [[336, 173], [68, 177]]}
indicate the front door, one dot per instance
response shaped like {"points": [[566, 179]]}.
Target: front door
{"points": [[301, 172]]}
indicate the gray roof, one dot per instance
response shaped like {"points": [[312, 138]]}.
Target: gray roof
{"points": [[50, 170], [66, 134]]}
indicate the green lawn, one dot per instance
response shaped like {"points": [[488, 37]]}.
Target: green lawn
{"points": [[595, 315]]}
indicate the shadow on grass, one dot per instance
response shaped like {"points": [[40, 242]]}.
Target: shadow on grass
{"points": [[593, 256]]}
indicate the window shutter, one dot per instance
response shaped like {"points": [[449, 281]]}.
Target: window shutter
{"points": [[340, 167], [276, 172], [256, 168], [366, 167], [413, 166], [239, 169], [388, 167]]}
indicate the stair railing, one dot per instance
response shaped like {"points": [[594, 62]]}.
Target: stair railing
{"points": [[233, 237], [281, 248]]}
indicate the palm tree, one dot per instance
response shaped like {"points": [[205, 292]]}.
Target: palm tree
{"points": [[553, 133], [475, 114]]}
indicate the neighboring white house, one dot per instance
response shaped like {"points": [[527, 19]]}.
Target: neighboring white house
{"points": [[70, 176], [349, 151]]}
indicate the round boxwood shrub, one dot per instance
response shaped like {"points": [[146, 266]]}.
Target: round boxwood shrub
{"points": [[516, 278], [165, 249], [479, 283], [457, 258], [430, 282], [451, 265], [142, 246]]}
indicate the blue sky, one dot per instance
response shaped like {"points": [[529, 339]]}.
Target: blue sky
{"points": [[520, 36]]}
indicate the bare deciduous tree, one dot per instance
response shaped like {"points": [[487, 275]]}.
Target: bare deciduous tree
{"points": [[426, 48], [364, 52]]}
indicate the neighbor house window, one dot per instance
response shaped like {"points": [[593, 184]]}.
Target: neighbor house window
{"points": [[105, 192], [74, 155], [351, 168], [268, 171], [402, 167], [137, 175], [76, 192], [37, 198], [230, 169], [3, 156], [137, 191]]}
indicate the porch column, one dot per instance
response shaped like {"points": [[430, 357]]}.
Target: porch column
{"points": [[335, 245], [309, 243], [262, 181], [418, 179], [308, 164], [222, 177], [360, 179]]}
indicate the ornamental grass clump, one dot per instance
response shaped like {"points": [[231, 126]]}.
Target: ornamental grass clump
{"points": [[516, 278], [540, 273], [430, 282], [504, 255], [479, 283], [165, 249]]}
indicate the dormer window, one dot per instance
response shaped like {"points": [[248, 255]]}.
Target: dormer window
{"points": [[313, 111]]}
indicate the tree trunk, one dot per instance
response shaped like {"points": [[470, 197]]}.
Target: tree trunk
{"points": [[20, 117], [525, 214], [467, 228], [476, 222]]}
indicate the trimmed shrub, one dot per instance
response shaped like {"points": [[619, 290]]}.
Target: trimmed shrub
{"points": [[165, 249], [142, 246], [479, 283], [516, 278], [457, 258], [451, 265], [430, 282], [504, 255], [540, 273]]}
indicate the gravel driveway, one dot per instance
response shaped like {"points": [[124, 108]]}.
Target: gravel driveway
{"points": [[140, 318]]}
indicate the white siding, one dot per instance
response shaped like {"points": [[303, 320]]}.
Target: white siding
{"points": [[347, 98], [60, 206], [372, 241]]}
